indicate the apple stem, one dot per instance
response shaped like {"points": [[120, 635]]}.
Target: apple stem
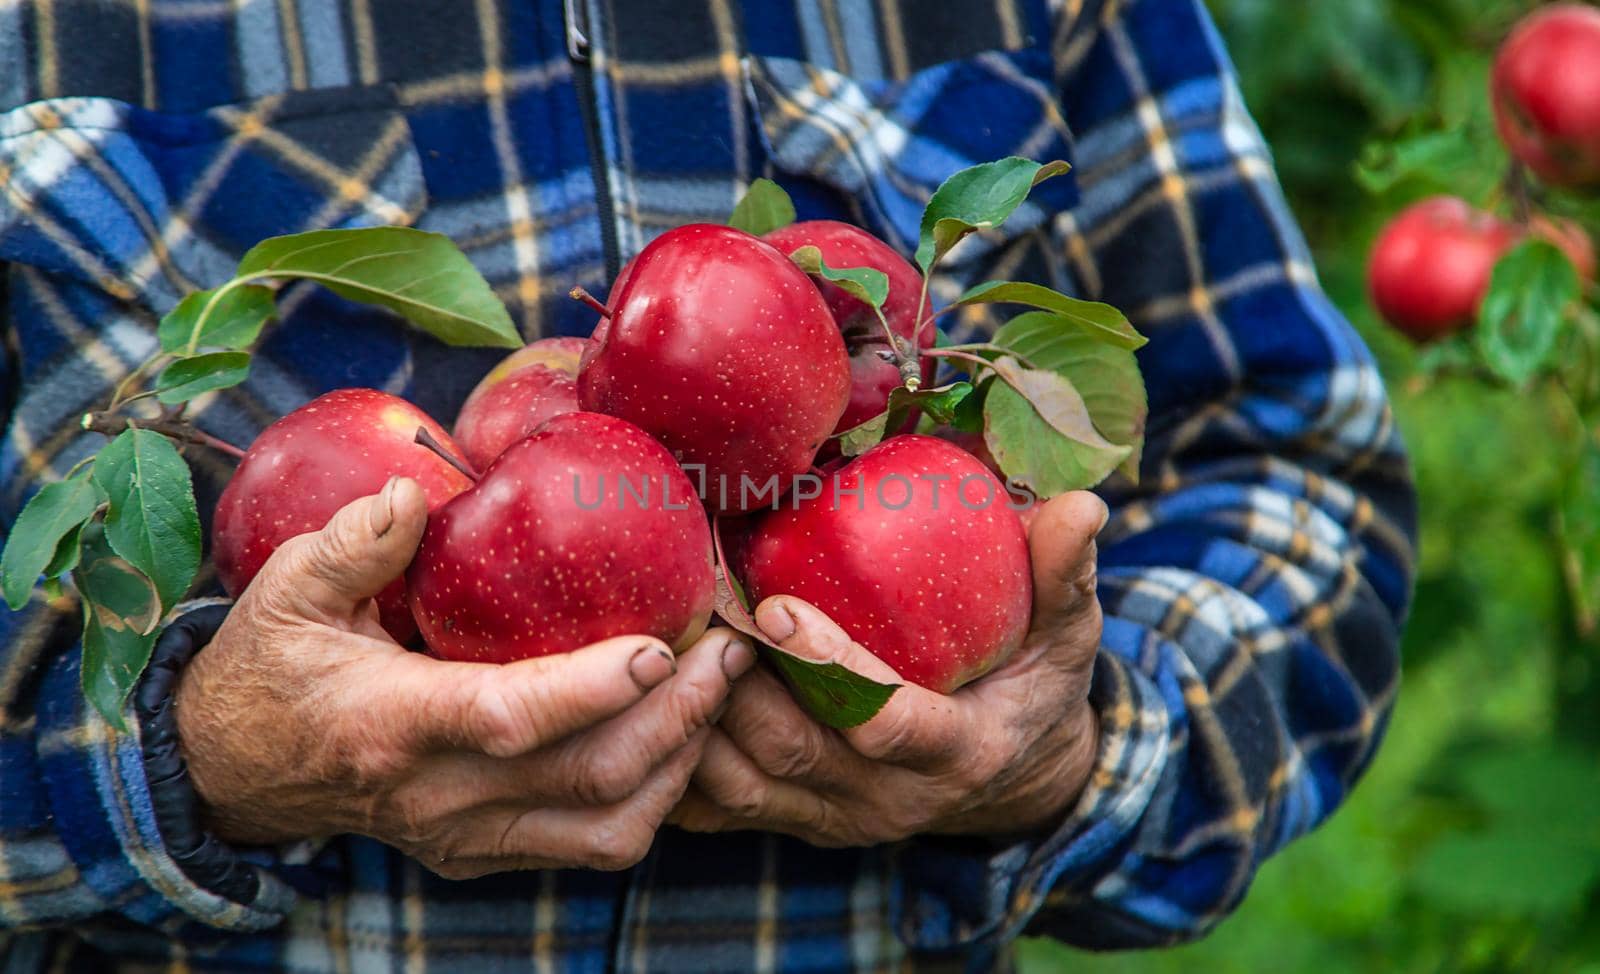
{"points": [[579, 294], [107, 424], [426, 439]]}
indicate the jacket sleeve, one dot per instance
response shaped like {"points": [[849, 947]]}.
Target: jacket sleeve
{"points": [[81, 840], [1255, 581]]}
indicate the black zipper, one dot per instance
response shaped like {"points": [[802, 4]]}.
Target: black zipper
{"points": [[577, 23]]}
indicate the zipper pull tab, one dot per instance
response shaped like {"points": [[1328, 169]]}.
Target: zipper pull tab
{"points": [[577, 19]]}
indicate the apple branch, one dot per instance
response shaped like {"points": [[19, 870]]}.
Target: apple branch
{"points": [[108, 424], [1515, 187]]}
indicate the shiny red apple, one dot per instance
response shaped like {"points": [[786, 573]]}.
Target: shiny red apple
{"points": [[1430, 267], [307, 465], [913, 548], [872, 376], [1546, 92], [725, 352], [532, 384], [584, 530]]}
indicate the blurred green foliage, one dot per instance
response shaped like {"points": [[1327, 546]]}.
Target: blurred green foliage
{"points": [[1473, 844]]}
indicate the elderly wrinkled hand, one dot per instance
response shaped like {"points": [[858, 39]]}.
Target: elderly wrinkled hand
{"points": [[1004, 755], [303, 718]]}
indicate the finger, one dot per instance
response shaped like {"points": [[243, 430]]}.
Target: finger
{"points": [[609, 763], [765, 723], [748, 798], [611, 839], [916, 729], [1062, 542], [514, 708], [329, 575], [697, 813]]}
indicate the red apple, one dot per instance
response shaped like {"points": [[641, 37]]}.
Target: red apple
{"points": [[1430, 268], [723, 350], [1546, 90], [307, 465], [926, 566], [872, 377], [532, 384], [585, 530]]}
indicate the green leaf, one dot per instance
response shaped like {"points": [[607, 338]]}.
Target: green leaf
{"points": [[1578, 528], [940, 404], [419, 275], [1037, 425], [1438, 157], [121, 613], [189, 377], [229, 317], [833, 695], [862, 283], [765, 207], [1540, 788], [1099, 320], [1520, 318], [977, 198], [152, 520], [860, 438], [968, 414], [69, 551], [1503, 870], [1453, 352], [1106, 376], [54, 514]]}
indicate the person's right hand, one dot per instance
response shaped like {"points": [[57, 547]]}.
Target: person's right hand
{"points": [[302, 718]]}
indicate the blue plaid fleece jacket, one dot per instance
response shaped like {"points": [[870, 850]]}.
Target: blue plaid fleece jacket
{"points": [[1253, 581]]}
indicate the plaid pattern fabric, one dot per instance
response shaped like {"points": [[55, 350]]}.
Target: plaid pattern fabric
{"points": [[1253, 582]]}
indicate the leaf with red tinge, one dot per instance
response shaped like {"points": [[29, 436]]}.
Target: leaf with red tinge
{"points": [[1039, 429], [833, 695], [121, 612], [1105, 375]]}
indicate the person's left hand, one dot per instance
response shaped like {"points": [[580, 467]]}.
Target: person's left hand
{"points": [[1004, 755]]}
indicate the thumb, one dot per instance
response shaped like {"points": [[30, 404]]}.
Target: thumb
{"points": [[1061, 539], [363, 548], [916, 728], [801, 629]]}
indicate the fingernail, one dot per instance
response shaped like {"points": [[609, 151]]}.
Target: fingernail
{"points": [[382, 516], [777, 622], [651, 666], [1105, 516], [737, 658]]}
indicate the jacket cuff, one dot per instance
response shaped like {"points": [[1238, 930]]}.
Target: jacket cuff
{"points": [[960, 894], [124, 807]]}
